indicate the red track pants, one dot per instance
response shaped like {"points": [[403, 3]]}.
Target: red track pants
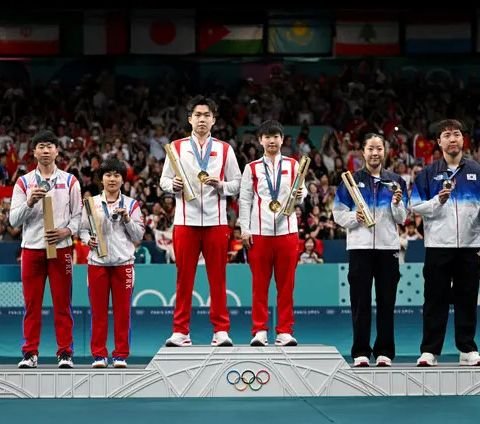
{"points": [[103, 280], [35, 269], [188, 242], [278, 254]]}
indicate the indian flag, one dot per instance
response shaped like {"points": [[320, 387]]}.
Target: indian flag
{"points": [[216, 38], [29, 39]]}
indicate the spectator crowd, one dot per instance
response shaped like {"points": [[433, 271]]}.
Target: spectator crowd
{"points": [[100, 118]]}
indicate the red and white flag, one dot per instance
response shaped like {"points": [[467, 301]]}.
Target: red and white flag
{"points": [[29, 39], [163, 32], [104, 33], [367, 37]]}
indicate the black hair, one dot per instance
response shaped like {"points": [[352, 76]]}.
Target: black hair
{"points": [[44, 136], [370, 135], [113, 165], [447, 124], [270, 127], [202, 100]]}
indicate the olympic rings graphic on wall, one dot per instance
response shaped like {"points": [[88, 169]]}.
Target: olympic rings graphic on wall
{"points": [[248, 378]]}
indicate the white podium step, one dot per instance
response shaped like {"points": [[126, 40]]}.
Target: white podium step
{"points": [[241, 371]]}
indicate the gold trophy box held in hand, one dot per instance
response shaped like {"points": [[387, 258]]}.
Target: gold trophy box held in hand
{"points": [[177, 166], [357, 197], [297, 184], [95, 227]]}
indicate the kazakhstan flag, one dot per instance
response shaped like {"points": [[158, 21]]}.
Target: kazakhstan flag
{"points": [[299, 36]]}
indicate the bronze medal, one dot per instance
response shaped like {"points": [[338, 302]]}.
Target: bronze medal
{"points": [[275, 206], [448, 184], [202, 176]]}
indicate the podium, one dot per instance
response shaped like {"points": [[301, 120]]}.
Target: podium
{"points": [[238, 372]]}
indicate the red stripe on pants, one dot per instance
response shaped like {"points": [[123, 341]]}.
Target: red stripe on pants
{"points": [[188, 242], [118, 280], [35, 269], [278, 255]]}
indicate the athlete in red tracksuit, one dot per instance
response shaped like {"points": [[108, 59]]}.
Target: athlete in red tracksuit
{"points": [[27, 211], [270, 237], [121, 224], [200, 225]]}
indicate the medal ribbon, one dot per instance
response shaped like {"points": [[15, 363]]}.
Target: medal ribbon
{"points": [[202, 162], [105, 207], [274, 192]]}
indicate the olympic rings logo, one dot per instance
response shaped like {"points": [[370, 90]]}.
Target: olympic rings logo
{"points": [[247, 379]]}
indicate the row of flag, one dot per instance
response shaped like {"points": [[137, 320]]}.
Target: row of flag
{"points": [[178, 33]]}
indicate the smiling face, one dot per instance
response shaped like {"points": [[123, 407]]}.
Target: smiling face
{"points": [[201, 120], [373, 153]]}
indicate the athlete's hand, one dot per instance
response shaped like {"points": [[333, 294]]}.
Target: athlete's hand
{"points": [[36, 194]]}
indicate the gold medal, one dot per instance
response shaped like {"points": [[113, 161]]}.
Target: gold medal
{"points": [[275, 206], [202, 176]]}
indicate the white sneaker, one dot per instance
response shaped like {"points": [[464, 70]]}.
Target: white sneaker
{"points": [[100, 362], [260, 339], [178, 340], [361, 362], [65, 360], [427, 360], [285, 339], [28, 361], [221, 339], [119, 363], [471, 359], [383, 361]]}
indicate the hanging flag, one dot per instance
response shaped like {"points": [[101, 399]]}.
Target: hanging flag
{"points": [[29, 39], [367, 37], [164, 240], [163, 32], [448, 37], [12, 160], [215, 38], [104, 33], [299, 36]]}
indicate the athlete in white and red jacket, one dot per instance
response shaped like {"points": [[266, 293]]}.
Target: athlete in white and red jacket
{"points": [[121, 224], [270, 237], [200, 225], [27, 211]]}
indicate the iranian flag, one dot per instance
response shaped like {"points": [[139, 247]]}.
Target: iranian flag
{"points": [[367, 37], [104, 33], [29, 39], [216, 38]]}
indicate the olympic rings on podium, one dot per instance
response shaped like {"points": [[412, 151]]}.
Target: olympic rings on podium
{"points": [[248, 378]]}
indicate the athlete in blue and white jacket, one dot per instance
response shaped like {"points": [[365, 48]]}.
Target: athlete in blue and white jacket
{"points": [[373, 252], [447, 195]]}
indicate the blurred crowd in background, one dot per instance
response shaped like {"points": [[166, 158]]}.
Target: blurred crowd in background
{"points": [[101, 118]]}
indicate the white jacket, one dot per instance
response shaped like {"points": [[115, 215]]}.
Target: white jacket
{"points": [[119, 236], [255, 214], [67, 208], [210, 206]]}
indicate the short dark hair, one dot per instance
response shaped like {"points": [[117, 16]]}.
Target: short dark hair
{"points": [[270, 127], [201, 100], [447, 124], [113, 165], [370, 135], [44, 136]]}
